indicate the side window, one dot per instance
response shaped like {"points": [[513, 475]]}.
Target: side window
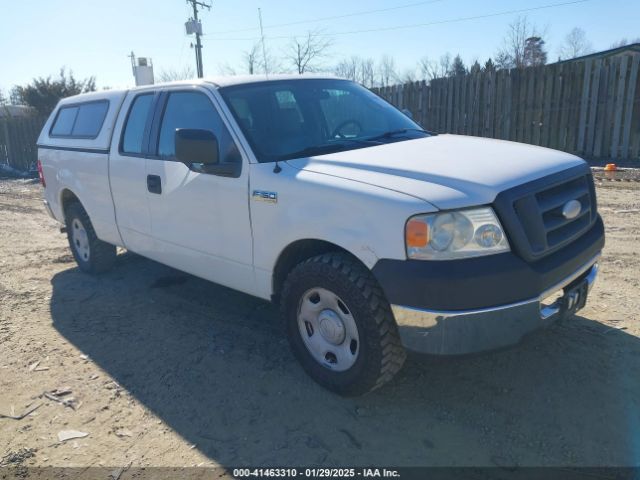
{"points": [[80, 121], [89, 119], [133, 134], [194, 110], [63, 123]]}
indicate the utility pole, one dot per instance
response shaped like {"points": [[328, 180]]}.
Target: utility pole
{"points": [[194, 26]]}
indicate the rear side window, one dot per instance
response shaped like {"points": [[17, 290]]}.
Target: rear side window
{"points": [[89, 119], [133, 135], [80, 121], [64, 121]]}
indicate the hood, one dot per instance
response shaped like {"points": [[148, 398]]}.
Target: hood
{"points": [[448, 171]]}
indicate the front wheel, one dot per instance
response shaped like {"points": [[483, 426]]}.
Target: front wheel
{"points": [[91, 254], [340, 325]]}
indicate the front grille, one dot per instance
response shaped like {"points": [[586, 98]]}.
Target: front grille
{"points": [[533, 213]]}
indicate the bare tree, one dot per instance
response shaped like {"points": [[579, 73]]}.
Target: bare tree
{"points": [[348, 68], [575, 44], [272, 64], [521, 35], [408, 76], [358, 69], [3, 99], [368, 72], [427, 68], [305, 54], [432, 69], [444, 65], [260, 60], [503, 60], [251, 59], [623, 42], [387, 71], [227, 69], [173, 74]]}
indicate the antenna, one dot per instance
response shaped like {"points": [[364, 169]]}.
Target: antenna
{"points": [[264, 49]]}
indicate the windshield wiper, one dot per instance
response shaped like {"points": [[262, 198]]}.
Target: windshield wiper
{"points": [[393, 133], [318, 150], [348, 144]]}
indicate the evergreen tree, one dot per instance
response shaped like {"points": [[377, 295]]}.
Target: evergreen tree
{"points": [[489, 66], [534, 52], [43, 94], [457, 67]]}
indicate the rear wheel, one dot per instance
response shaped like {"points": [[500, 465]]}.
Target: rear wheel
{"points": [[340, 325], [91, 254]]}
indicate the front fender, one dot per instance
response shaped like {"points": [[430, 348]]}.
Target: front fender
{"points": [[365, 220]]}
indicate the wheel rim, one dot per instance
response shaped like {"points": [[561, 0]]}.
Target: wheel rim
{"points": [[80, 239], [328, 329]]}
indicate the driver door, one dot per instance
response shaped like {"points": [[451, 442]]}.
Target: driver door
{"points": [[199, 221]]}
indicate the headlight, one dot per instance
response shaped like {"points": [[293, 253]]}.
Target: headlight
{"points": [[459, 234]]}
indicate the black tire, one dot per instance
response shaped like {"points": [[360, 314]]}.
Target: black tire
{"points": [[101, 255], [380, 354]]}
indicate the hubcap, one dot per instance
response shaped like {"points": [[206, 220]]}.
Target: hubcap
{"points": [[80, 239], [328, 329]]}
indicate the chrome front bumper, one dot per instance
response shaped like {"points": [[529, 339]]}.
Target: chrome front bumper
{"points": [[471, 331]]}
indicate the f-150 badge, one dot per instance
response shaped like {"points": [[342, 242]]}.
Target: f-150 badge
{"points": [[264, 196]]}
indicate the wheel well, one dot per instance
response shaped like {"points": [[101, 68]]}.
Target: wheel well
{"points": [[296, 253], [66, 199]]}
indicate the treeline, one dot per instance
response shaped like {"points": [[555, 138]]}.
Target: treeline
{"points": [[523, 45], [43, 93]]}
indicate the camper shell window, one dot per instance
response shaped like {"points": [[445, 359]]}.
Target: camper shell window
{"points": [[82, 120]]}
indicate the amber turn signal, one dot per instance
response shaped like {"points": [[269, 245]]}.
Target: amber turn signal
{"points": [[417, 233]]}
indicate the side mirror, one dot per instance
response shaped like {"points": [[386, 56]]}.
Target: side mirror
{"points": [[196, 147], [408, 113]]}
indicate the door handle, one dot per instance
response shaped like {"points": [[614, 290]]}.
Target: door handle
{"points": [[154, 184]]}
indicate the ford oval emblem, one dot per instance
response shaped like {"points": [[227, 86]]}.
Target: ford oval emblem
{"points": [[571, 209]]}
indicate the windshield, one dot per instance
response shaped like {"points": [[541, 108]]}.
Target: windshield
{"points": [[297, 118]]}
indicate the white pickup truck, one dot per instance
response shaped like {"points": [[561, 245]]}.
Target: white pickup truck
{"points": [[372, 234]]}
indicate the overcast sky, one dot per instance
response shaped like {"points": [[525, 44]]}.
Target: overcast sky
{"points": [[37, 37]]}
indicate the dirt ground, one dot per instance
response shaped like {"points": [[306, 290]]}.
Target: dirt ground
{"points": [[169, 370]]}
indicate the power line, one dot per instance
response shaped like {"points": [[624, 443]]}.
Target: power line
{"points": [[418, 25], [334, 17]]}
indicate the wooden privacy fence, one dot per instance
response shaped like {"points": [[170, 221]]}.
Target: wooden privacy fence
{"points": [[18, 136], [589, 107]]}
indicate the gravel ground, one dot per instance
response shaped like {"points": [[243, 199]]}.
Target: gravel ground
{"points": [[619, 175], [165, 369]]}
